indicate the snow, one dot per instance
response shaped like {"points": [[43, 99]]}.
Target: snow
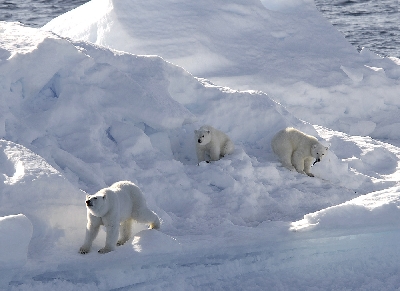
{"points": [[283, 48], [116, 92], [15, 234]]}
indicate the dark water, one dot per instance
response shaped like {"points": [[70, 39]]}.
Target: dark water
{"points": [[373, 24], [35, 13]]}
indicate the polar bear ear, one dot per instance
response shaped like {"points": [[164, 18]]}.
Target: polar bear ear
{"points": [[314, 146], [327, 148], [195, 131], [208, 131], [104, 196]]}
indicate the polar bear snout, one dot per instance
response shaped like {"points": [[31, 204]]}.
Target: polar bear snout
{"points": [[201, 139], [90, 201], [202, 136]]}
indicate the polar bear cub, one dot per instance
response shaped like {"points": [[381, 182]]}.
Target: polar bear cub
{"points": [[116, 208], [297, 150], [212, 143]]}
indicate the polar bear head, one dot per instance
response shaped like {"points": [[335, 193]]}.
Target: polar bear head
{"points": [[202, 136], [318, 151], [97, 204]]}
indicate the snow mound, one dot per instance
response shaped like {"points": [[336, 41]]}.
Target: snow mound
{"points": [[238, 39], [378, 210], [283, 48], [98, 116], [15, 235], [34, 188], [76, 116], [154, 242]]}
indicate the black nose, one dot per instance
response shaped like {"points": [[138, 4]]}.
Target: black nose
{"points": [[199, 140], [88, 203]]}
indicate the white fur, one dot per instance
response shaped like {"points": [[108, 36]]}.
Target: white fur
{"points": [[212, 143], [116, 208], [297, 150]]}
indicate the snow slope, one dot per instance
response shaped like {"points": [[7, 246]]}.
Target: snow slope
{"points": [[283, 48], [76, 117]]}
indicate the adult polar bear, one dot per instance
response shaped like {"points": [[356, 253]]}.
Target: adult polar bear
{"points": [[212, 142], [297, 150], [116, 208]]}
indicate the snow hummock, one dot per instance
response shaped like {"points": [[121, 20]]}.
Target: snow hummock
{"points": [[283, 48], [15, 235], [116, 92]]}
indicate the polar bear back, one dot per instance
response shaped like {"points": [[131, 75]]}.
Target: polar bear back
{"points": [[218, 139], [293, 139], [130, 198]]}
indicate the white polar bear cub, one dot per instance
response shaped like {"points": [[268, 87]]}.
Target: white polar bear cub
{"points": [[297, 150], [116, 208], [213, 143]]}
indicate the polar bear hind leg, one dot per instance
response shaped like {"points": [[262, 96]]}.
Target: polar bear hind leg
{"points": [[215, 153], [125, 231], [298, 162], [228, 148], [284, 153], [147, 216]]}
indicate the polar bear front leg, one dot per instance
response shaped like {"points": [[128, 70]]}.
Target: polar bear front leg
{"points": [[111, 239], [228, 148], [111, 222], [200, 155], [307, 166], [215, 153], [92, 229]]}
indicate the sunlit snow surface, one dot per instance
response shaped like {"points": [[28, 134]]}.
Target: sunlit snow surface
{"points": [[76, 117], [283, 48]]}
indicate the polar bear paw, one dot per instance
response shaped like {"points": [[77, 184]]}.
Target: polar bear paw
{"points": [[121, 242], [104, 250], [84, 250]]}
